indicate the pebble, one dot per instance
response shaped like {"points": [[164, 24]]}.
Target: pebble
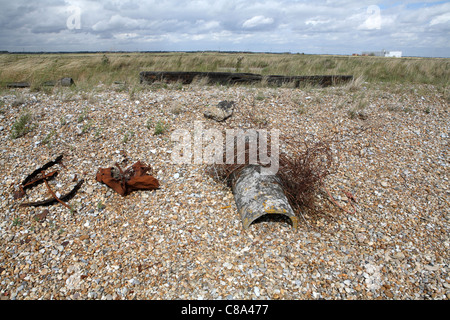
{"points": [[185, 240], [398, 255]]}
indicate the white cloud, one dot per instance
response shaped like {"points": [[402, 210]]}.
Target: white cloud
{"points": [[257, 21], [124, 36], [202, 25], [373, 18], [315, 22], [441, 19]]}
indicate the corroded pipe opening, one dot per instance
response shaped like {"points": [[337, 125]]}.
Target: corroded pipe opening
{"points": [[257, 195]]}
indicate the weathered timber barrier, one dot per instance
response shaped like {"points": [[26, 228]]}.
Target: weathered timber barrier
{"points": [[148, 77], [18, 85], [63, 82]]}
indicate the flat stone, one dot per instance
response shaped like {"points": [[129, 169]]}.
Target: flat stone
{"points": [[221, 112]]}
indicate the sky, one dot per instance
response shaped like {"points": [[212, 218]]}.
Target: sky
{"points": [[417, 28]]}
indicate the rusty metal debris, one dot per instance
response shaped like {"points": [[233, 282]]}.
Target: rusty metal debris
{"points": [[36, 177], [54, 200], [124, 182], [39, 176]]}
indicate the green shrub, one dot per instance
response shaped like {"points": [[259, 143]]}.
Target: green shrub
{"points": [[160, 128], [127, 136], [48, 137], [22, 126]]}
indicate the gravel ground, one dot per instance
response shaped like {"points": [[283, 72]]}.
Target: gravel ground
{"points": [[185, 240]]}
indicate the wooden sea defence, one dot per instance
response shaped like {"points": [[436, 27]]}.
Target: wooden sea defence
{"points": [[230, 78]]}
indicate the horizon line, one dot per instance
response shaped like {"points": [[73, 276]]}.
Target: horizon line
{"points": [[197, 51]]}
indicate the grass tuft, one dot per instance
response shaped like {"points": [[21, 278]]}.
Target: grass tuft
{"points": [[22, 126], [160, 128]]}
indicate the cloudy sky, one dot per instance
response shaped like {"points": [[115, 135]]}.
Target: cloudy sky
{"points": [[417, 28]]}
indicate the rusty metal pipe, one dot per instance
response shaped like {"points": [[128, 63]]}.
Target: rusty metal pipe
{"points": [[257, 195]]}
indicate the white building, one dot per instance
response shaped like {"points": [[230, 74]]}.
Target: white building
{"points": [[383, 53], [393, 54]]}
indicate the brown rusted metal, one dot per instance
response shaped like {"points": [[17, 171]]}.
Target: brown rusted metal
{"points": [[21, 193], [39, 176], [124, 182], [36, 177], [52, 200], [36, 172], [53, 194]]}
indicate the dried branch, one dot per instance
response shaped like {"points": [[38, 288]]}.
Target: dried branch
{"points": [[350, 198]]}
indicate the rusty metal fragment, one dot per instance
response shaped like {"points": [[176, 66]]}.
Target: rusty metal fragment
{"points": [[124, 182], [41, 169], [51, 201], [39, 176], [54, 195], [258, 195]]}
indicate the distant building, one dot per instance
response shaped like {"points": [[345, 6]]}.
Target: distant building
{"points": [[373, 53], [383, 53], [393, 54]]}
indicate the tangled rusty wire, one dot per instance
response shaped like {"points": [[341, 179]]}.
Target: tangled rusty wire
{"points": [[301, 174]]}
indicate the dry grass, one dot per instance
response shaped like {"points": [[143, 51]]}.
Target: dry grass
{"points": [[88, 69]]}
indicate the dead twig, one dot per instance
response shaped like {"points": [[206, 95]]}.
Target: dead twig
{"points": [[349, 196]]}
